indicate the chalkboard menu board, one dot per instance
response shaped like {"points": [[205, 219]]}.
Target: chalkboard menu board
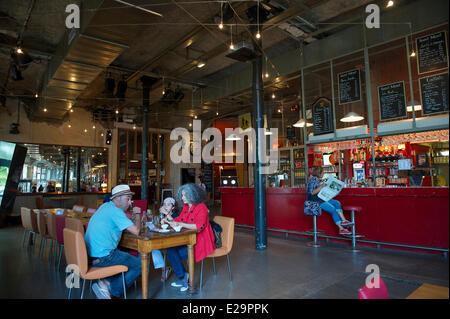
{"points": [[434, 93], [349, 84], [323, 116], [208, 176], [432, 52], [392, 101]]}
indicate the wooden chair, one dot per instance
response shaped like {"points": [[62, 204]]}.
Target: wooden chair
{"points": [[78, 208], [75, 224], [25, 214], [76, 256], [91, 210], [374, 293], [227, 224], [51, 228], [42, 227]]}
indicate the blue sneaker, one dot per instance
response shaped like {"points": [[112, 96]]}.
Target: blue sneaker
{"points": [[185, 283], [181, 282]]}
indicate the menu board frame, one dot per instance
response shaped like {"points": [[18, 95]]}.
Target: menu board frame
{"points": [[404, 99], [359, 86], [418, 52], [420, 92], [318, 103]]}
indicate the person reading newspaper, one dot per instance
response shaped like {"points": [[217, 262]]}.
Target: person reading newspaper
{"points": [[330, 205]]}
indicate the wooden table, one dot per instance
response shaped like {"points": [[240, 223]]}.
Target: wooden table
{"points": [[427, 291], [145, 243], [83, 216], [60, 199]]}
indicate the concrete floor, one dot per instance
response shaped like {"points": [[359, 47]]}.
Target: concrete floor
{"points": [[288, 269]]}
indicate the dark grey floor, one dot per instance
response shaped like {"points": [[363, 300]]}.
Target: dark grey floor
{"points": [[288, 269]]}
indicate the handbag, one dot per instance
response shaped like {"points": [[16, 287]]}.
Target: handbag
{"points": [[312, 208]]}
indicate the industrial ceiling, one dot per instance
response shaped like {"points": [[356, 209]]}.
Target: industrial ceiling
{"points": [[119, 42]]}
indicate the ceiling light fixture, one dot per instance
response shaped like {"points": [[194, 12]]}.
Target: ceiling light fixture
{"points": [[390, 4], [273, 95], [201, 64], [352, 117], [302, 123], [45, 110]]}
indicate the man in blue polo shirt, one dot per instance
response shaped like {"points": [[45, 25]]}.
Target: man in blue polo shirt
{"points": [[102, 238]]}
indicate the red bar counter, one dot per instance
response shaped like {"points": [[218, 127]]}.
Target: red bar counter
{"points": [[416, 216]]}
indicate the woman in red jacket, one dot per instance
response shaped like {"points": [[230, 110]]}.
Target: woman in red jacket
{"points": [[193, 216]]}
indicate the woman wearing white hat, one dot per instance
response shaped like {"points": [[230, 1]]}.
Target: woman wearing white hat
{"points": [[102, 238]]}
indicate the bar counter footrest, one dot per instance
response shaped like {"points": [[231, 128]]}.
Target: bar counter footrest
{"points": [[356, 236]]}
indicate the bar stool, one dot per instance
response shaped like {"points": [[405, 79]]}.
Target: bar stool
{"points": [[314, 232], [354, 235]]}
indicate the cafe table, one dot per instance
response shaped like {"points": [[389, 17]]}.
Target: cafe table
{"points": [[149, 240]]}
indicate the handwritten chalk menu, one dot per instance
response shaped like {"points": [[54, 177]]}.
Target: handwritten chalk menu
{"points": [[434, 93], [208, 178], [392, 101], [432, 52], [349, 87], [323, 116]]}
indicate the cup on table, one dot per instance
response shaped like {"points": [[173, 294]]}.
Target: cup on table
{"points": [[164, 226], [177, 228]]}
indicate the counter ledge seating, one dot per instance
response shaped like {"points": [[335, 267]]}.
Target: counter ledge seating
{"points": [[352, 209], [227, 224], [76, 254]]}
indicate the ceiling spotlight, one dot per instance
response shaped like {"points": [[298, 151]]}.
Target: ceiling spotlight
{"points": [[413, 54], [36, 96], [201, 64], [302, 123], [93, 126], [258, 35], [221, 26], [389, 4], [266, 75], [117, 111], [45, 110], [231, 46], [85, 130], [217, 113], [19, 51], [273, 95]]}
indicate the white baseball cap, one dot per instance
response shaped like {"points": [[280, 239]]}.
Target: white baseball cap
{"points": [[120, 190]]}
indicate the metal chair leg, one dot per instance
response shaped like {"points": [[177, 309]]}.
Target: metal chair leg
{"points": [[124, 287], [214, 265], [24, 235], [60, 253], [201, 274], [229, 266], [82, 289]]}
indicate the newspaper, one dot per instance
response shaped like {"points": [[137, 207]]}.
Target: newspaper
{"points": [[333, 188]]}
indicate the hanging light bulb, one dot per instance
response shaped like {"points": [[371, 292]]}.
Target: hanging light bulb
{"points": [[231, 46], [273, 95], [413, 53], [258, 35], [390, 4], [221, 25], [266, 74]]}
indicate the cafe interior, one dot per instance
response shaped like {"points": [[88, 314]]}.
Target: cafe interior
{"points": [[98, 93]]}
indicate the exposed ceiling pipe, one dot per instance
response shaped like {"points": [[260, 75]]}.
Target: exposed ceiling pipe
{"points": [[138, 7]]}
